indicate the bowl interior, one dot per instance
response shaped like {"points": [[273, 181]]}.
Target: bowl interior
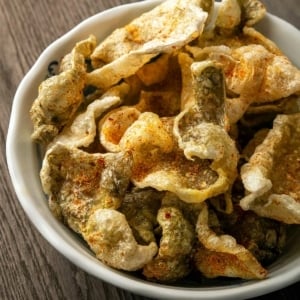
{"points": [[25, 173]]}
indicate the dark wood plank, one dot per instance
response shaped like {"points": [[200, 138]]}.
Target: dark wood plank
{"points": [[29, 267]]}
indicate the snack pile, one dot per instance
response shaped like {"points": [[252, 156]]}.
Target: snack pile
{"points": [[173, 146]]}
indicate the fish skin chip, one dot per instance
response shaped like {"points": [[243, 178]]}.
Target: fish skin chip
{"points": [[60, 96], [252, 36], [159, 163], [250, 73], [229, 14], [78, 182], [140, 207], [238, 13], [220, 255], [271, 176], [201, 128], [82, 131], [172, 261], [110, 237], [253, 11], [114, 124], [127, 49]]}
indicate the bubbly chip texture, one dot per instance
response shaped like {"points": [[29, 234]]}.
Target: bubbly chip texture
{"points": [[172, 146]]}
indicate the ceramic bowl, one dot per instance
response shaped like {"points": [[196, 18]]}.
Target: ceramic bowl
{"points": [[24, 162]]}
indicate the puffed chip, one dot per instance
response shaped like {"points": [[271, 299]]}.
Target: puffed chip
{"points": [[140, 207], [161, 164], [172, 261], [111, 238], [78, 182], [253, 11], [250, 73], [127, 49], [201, 128], [229, 14], [84, 47], [271, 177], [83, 129], [234, 13], [220, 255], [60, 96], [114, 124]]}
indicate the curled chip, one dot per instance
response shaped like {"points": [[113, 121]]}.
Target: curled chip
{"points": [[172, 261], [110, 237], [229, 14], [60, 95], [201, 128], [78, 182], [127, 49], [271, 177], [220, 255], [161, 164], [82, 131], [114, 124], [159, 146], [140, 207]]}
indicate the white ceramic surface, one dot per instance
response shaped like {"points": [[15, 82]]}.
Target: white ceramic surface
{"points": [[24, 164]]}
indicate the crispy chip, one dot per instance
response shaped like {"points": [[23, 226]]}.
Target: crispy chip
{"points": [[110, 237], [82, 131], [253, 11], [60, 96], [160, 164], [250, 72], [127, 49], [114, 124], [187, 91], [220, 255], [140, 207], [172, 261], [271, 176], [77, 182], [146, 134], [229, 14], [200, 129]]}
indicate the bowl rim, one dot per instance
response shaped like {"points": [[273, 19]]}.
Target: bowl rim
{"points": [[59, 237]]}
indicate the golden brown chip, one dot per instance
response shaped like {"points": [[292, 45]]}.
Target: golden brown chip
{"points": [[250, 73], [82, 131], [252, 36], [114, 124], [140, 207], [129, 48], [220, 255], [229, 14], [271, 177], [111, 238], [159, 163], [172, 261], [77, 182], [154, 72], [201, 128], [60, 95]]}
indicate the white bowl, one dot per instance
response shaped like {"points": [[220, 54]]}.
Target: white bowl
{"points": [[24, 164]]}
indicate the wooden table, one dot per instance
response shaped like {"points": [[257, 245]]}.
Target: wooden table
{"points": [[29, 267]]}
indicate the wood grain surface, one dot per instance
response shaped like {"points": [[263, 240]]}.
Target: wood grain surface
{"points": [[29, 267]]}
